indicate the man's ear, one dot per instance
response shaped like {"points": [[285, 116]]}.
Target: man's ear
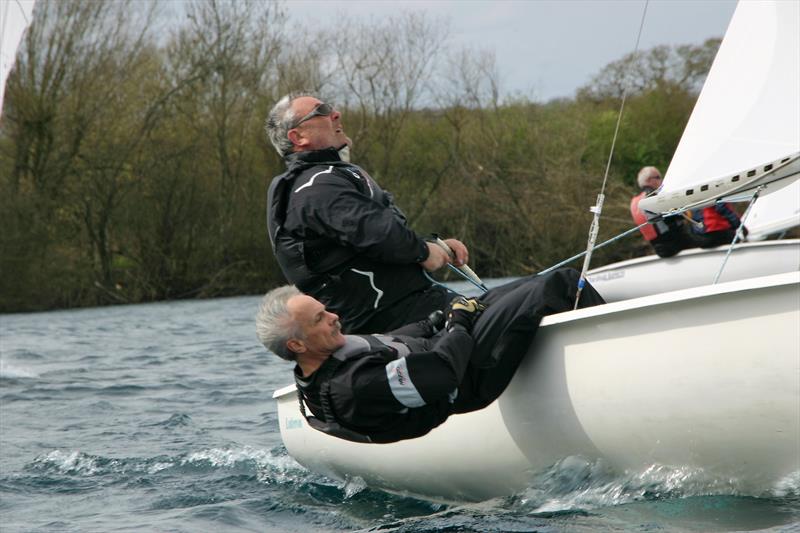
{"points": [[297, 138], [296, 346]]}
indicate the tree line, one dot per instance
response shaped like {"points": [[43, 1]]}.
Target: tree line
{"points": [[134, 165]]}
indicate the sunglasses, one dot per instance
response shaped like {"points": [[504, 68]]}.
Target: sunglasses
{"points": [[320, 110]]}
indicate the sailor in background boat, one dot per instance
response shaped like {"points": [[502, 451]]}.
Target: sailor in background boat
{"points": [[712, 226], [718, 225], [337, 235], [668, 235], [385, 388]]}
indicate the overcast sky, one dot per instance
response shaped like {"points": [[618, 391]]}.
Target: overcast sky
{"points": [[547, 48], [544, 48]]}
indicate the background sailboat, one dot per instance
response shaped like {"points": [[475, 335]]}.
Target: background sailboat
{"points": [[745, 128], [744, 132], [649, 275]]}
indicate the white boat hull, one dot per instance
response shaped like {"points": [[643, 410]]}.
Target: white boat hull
{"points": [[649, 275], [707, 378], [710, 380]]}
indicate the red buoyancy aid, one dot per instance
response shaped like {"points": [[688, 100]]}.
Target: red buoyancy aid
{"points": [[714, 220], [648, 231]]}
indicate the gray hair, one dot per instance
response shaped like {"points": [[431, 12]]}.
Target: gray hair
{"points": [[279, 122], [274, 326], [645, 174]]}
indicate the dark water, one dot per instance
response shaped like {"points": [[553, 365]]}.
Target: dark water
{"points": [[159, 418]]}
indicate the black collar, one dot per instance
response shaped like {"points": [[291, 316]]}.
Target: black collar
{"points": [[328, 155]]}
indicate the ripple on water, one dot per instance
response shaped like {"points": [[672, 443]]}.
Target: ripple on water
{"points": [[122, 390], [24, 354], [102, 406], [174, 421]]}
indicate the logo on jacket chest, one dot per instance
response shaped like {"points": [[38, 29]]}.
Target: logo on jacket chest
{"points": [[401, 376], [365, 179]]}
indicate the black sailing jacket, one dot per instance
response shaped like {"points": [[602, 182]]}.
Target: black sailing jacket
{"points": [[383, 388], [339, 237], [389, 388]]}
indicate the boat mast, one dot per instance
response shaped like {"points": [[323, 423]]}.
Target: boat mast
{"points": [[597, 209]]}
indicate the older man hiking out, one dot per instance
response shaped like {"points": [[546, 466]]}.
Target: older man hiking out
{"points": [[337, 235]]}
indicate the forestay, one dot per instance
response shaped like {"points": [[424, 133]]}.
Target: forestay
{"points": [[746, 123]]}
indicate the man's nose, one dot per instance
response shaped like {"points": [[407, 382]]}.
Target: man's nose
{"points": [[335, 115]]}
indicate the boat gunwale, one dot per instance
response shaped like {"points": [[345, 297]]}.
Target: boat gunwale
{"points": [[692, 252], [682, 295]]}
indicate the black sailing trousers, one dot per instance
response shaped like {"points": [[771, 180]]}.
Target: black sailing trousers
{"points": [[504, 332]]}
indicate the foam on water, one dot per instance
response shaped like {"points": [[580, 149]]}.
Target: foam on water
{"points": [[74, 463], [788, 486], [354, 486], [576, 483], [13, 371], [269, 466]]}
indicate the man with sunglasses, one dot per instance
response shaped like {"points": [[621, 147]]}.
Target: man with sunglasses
{"points": [[337, 235]]}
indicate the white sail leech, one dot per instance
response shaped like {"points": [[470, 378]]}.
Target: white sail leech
{"points": [[15, 17], [746, 123]]}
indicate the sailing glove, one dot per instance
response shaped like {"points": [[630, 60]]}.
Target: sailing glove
{"points": [[463, 312]]}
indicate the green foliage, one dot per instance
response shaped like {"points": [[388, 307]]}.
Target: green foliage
{"points": [[135, 169]]}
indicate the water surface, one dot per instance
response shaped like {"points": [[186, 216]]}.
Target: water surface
{"points": [[158, 417]]}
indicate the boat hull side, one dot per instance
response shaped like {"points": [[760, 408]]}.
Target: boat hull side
{"points": [[706, 378], [693, 268], [470, 457], [711, 383]]}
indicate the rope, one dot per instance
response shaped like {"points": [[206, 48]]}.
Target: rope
{"points": [[483, 288], [609, 241], [27, 22], [690, 220], [598, 207], [457, 271]]}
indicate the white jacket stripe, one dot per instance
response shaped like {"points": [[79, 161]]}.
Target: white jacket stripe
{"points": [[400, 382], [310, 182]]}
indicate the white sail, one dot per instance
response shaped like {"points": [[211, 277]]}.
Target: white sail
{"points": [[15, 16], [775, 213], [746, 123]]}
